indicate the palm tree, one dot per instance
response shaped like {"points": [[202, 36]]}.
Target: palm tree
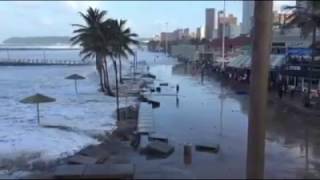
{"points": [[308, 20], [124, 39], [91, 38]]}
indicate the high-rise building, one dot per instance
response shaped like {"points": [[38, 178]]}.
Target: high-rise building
{"points": [[210, 23], [234, 31], [231, 28], [186, 34], [198, 33], [221, 20], [166, 36], [247, 16], [178, 34], [203, 31], [232, 19], [193, 35], [215, 34]]}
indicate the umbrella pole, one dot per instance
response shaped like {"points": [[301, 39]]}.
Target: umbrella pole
{"points": [[75, 86], [38, 114]]}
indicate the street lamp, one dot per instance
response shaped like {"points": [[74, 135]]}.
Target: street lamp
{"points": [[8, 54], [167, 33], [135, 64], [223, 32]]}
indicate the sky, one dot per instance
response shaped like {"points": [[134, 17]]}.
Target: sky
{"points": [[147, 18]]}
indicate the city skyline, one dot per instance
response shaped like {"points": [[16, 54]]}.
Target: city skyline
{"points": [[42, 19]]}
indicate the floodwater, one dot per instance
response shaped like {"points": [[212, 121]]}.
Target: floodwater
{"points": [[199, 116]]}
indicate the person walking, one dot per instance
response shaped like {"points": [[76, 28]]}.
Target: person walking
{"points": [[292, 91], [177, 89], [280, 87]]}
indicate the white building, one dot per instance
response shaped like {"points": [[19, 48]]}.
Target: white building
{"points": [[215, 34], [203, 32], [247, 16], [234, 31]]}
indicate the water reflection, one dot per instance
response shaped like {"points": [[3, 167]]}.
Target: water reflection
{"points": [[292, 141], [177, 101]]}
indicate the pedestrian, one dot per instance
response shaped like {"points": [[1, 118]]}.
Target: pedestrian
{"points": [[292, 91], [177, 88], [280, 91], [280, 86]]}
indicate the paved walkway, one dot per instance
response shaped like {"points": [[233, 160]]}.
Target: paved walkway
{"points": [[145, 119], [295, 104]]}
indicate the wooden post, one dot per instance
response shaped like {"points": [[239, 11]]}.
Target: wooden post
{"points": [[307, 148], [258, 88], [38, 114], [76, 86]]}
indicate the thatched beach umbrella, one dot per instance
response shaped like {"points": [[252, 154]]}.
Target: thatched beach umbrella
{"points": [[75, 77], [37, 99]]}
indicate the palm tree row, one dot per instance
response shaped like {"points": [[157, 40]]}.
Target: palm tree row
{"points": [[102, 38]]}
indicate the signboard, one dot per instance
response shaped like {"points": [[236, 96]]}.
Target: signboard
{"points": [[299, 51], [296, 68]]}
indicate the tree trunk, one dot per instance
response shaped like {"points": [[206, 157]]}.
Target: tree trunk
{"points": [[120, 70], [117, 88], [107, 82], [98, 67], [262, 38]]}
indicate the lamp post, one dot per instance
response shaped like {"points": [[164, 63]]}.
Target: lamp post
{"points": [[8, 54], [44, 55], [223, 33], [167, 33]]}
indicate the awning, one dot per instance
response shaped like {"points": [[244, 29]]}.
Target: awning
{"points": [[244, 61]]}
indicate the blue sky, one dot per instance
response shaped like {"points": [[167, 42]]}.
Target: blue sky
{"points": [[42, 18]]}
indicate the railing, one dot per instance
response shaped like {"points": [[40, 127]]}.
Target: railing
{"points": [[21, 62]]}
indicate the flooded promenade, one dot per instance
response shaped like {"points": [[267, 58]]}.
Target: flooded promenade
{"points": [[198, 115]]}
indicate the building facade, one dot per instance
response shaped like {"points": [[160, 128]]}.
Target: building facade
{"points": [[210, 23], [231, 28], [247, 16], [198, 33]]}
